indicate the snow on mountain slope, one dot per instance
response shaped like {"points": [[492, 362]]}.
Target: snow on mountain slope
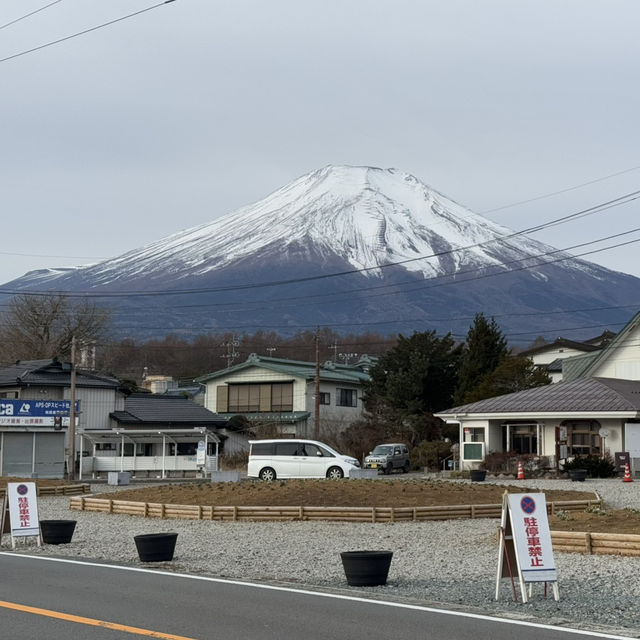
{"points": [[366, 216]]}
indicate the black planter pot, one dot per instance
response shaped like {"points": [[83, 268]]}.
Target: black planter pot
{"points": [[578, 475], [155, 547], [477, 475], [57, 531], [366, 568]]}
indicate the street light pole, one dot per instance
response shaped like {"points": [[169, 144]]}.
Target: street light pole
{"points": [[71, 462]]}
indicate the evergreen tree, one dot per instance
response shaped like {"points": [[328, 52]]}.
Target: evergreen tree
{"points": [[514, 373], [411, 382], [484, 350]]}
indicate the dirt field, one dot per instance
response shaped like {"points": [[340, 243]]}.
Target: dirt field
{"points": [[321, 493], [381, 493], [408, 492]]}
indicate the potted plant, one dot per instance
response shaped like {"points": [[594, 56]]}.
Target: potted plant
{"points": [[366, 568], [478, 475], [57, 531], [155, 547]]}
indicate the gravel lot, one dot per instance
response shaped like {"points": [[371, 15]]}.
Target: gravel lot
{"points": [[452, 563]]}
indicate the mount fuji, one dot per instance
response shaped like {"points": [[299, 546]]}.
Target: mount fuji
{"points": [[356, 249]]}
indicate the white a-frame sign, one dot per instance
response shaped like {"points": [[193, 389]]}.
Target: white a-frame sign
{"points": [[525, 544], [23, 511]]}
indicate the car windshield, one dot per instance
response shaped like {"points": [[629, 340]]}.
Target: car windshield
{"points": [[382, 450]]}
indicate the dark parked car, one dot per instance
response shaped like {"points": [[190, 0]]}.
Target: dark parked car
{"points": [[387, 457]]}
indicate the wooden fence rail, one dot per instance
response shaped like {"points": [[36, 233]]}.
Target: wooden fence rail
{"points": [[596, 543], [61, 490], [340, 514], [579, 542]]}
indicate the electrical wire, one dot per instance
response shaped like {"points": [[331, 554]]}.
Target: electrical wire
{"points": [[555, 193], [621, 200], [8, 24], [85, 31]]}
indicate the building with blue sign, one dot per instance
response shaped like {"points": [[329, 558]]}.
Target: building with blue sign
{"points": [[34, 414]]}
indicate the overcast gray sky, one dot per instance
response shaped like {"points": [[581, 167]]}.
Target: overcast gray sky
{"points": [[167, 120]]}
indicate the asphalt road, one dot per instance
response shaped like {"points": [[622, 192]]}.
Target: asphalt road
{"points": [[66, 600]]}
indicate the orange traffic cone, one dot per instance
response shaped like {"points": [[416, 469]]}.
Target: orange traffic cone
{"points": [[520, 471], [627, 473]]}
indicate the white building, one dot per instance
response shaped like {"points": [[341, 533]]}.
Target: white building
{"points": [[283, 392], [594, 410]]}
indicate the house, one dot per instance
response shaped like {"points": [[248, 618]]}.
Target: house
{"points": [[282, 393], [34, 414], [550, 356], [619, 359], [157, 435], [594, 410], [555, 422]]}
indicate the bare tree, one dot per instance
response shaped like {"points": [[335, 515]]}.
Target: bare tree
{"points": [[43, 326]]}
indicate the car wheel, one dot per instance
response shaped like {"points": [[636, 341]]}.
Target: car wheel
{"points": [[388, 469], [405, 469], [267, 474], [335, 473]]}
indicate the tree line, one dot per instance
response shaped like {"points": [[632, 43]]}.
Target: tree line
{"points": [[414, 376]]}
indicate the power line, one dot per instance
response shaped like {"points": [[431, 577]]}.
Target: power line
{"points": [[555, 193], [7, 24], [625, 199], [430, 284], [81, 33]]}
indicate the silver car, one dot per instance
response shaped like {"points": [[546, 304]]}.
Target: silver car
{"points": [[387, 457]]}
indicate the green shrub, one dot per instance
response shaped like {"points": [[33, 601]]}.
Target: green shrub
{"points": [[595, 466], [430, 454]]}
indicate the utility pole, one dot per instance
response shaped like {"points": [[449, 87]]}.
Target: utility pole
{"points": [[316, 425], [71, 462]]}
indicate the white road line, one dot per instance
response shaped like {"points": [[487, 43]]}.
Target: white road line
{"points": [[324, 594]]}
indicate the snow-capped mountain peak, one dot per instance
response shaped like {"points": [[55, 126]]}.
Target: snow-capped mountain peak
{"points": [[368, 217]]}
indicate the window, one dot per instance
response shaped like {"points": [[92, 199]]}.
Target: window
{"points": [[245, 398], [473, 434], [187, 448], [286, 448], [583, 438], [262, 448], [325, 398], [282, 397], [347, 398]]}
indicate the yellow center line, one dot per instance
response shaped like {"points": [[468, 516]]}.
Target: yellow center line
{"points": [[91, 621]]}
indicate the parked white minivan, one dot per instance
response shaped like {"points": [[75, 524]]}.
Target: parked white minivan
{"points": [[271, 459]]}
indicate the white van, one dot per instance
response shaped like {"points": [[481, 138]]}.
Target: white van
{"points": [[271, 459]]}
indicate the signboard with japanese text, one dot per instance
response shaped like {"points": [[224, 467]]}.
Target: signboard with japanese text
{"points": [[36, 413], [23, 509], [532, 537], [526, 553]]}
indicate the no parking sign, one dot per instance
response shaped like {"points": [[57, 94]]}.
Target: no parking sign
{"points": [[525, 542], [23, 509]]}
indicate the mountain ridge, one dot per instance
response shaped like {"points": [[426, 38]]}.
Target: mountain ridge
{"points": [[350, 234]]}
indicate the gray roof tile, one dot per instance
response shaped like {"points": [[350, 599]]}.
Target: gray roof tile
{"points": [[144, 409], [584, 395]]}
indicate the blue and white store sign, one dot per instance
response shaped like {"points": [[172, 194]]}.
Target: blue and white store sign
{"points": [[35, 413]]}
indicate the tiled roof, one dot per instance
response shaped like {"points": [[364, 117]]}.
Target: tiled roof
{"points": [[50, 373], [356, 373], [575, 367], [555, 366], [143, 409], [584, 395], [557, 344]]}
